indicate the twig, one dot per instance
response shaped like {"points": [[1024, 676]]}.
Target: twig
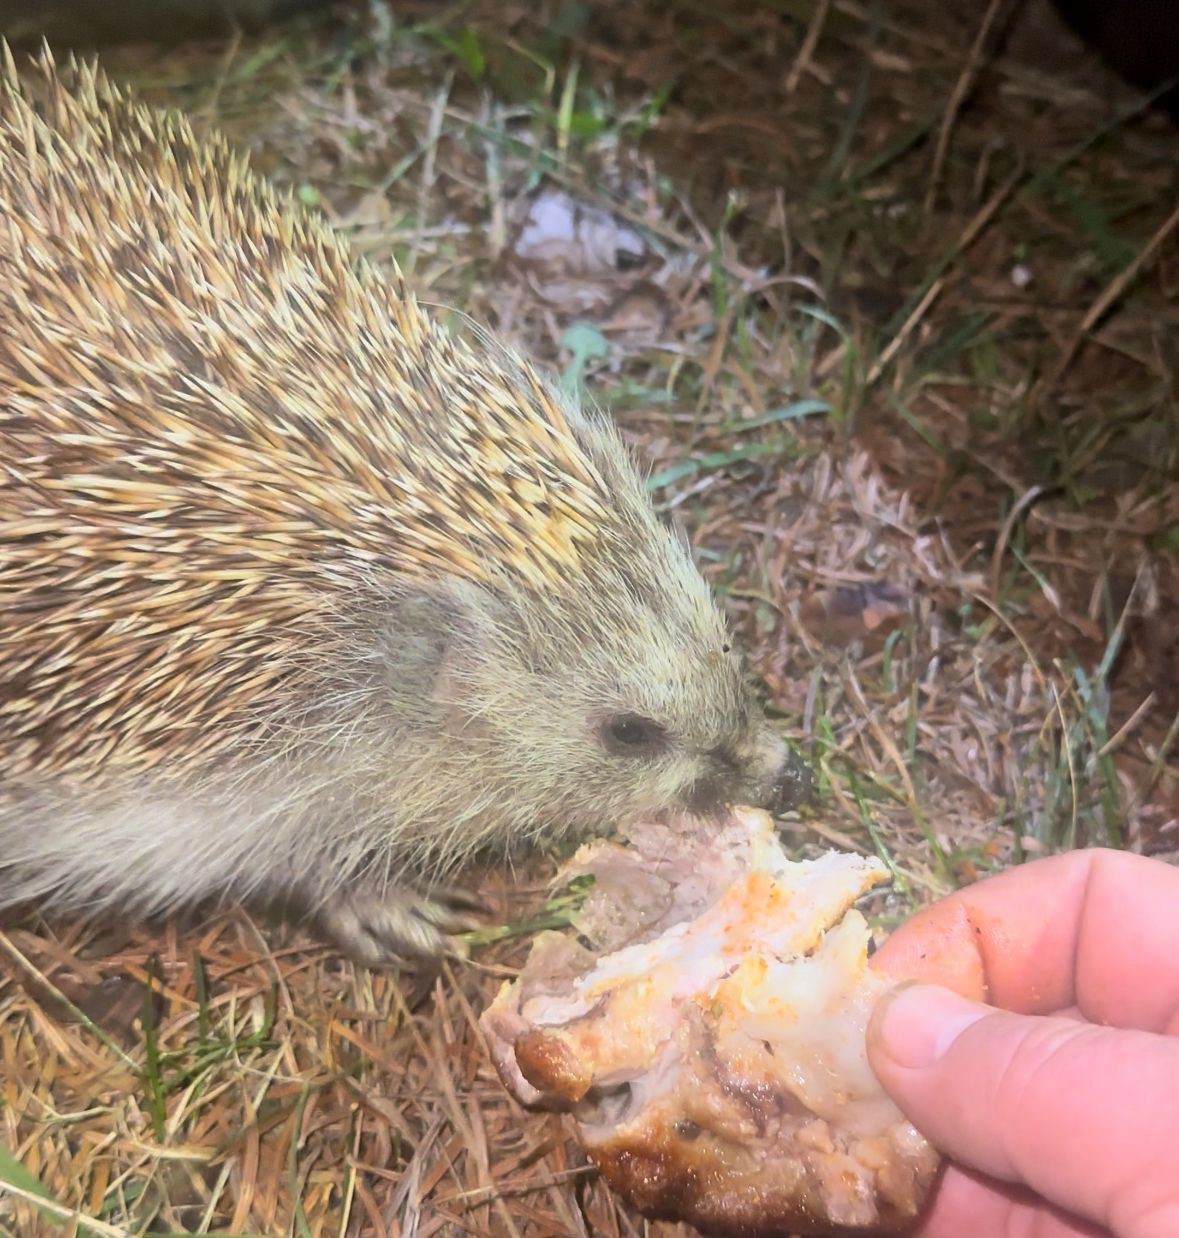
{"points": [[814, 32], [1112, 292], [1118, 738], [969, 235], [1024, 501], [962, 88], [27, 965], [82, 1222], [426, 184]]}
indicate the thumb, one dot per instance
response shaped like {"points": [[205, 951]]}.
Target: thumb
{"points": [[1086, 1116]]}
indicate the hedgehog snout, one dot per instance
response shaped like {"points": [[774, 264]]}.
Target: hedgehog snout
{"points": [[781, 779], [769, 775]]}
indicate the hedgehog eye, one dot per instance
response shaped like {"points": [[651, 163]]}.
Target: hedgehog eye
{"points": [[631, 735]]}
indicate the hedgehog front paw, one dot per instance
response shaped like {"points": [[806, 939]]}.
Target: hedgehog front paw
{"points": [[400, 927]]}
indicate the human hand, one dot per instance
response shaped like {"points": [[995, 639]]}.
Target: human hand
{"points": [[1059, 1110]]}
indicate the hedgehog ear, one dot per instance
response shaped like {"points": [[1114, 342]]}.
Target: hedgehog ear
{"points": [[433, 638], [415, 635], [474, 619]]}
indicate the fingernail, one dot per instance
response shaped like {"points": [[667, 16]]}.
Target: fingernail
{"points": [[916, 1024]]}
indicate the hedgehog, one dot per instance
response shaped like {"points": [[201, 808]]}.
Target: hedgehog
{"points": [[308, 600]]}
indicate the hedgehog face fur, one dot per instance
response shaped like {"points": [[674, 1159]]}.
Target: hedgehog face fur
{"points": [[300, 591]]}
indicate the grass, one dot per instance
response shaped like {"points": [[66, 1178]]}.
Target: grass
{"points": [[896, 352]]}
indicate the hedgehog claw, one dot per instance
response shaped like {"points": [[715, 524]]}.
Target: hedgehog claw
{"points": [[458, 900], [398, 928]]}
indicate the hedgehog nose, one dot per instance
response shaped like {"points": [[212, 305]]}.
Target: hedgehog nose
{"points": [[793, 785], [788, 781]]}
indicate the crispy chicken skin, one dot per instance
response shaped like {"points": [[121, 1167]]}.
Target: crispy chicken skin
{"points": [[707, 1035]]}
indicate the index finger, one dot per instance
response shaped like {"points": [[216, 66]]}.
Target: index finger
{"points": [[1093, 929]]}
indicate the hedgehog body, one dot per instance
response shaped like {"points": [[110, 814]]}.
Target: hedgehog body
{"points": [[300, 596]]}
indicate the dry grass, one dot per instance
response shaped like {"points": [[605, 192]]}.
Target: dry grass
{"points": [[895, 329]]}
